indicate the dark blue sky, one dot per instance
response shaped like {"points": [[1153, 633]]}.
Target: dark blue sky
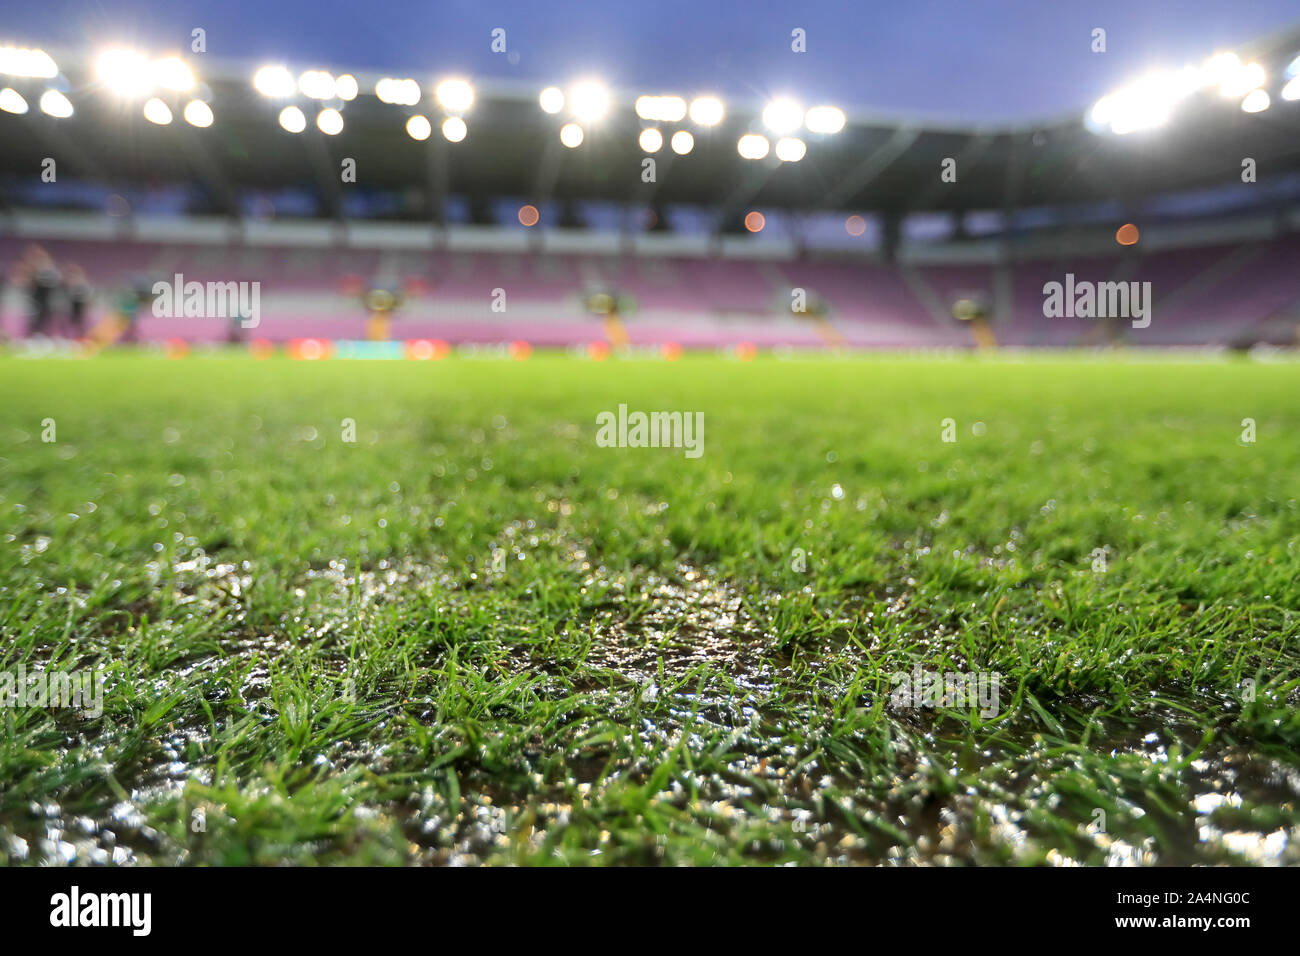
{"points": [[971, 59]]}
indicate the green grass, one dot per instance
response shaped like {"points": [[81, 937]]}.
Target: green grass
{"points": [[648, 676]]}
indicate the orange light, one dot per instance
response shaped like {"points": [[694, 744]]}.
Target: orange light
{"points": [[1127, 234], [310, 349], [528, 216], [261, 349], [177, 348], [671, 351], [755, 222], [520, 350], [745, 351], [598, 351], [424, 349], [855, 225]]}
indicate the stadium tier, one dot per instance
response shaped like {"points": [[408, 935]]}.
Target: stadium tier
{"points": [[1208, 295]]}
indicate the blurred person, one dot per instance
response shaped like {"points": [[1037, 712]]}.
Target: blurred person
{"points": [[77, 291], [40, 276]]}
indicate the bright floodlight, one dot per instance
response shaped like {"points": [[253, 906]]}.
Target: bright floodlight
{"points": [[782, 115], [1242, 80], [274, 81], [398, 92], [345, 87], [11, 101], [454, 129], [589, 100], [664, 109], [682, 142], [1256, 101], [124, 72], [156, 111], [790, 149], [824, 119], [1219, 67], [753, 146], [198, 113], [551, 99], [317, 85], [292, 119], [419, 127], [706, 111], [1291, 92], [330, 122], [571, 135], [651, 140], [18, 61], [171, 73], [54, 103], [456, 96]]}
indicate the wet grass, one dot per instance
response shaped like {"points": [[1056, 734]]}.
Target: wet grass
{"points": [[473, 635]]}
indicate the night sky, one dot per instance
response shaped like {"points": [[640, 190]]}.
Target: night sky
{"points": [[1008, 60]]}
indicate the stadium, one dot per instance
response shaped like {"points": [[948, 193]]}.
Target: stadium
{"points": [[465, 468]]}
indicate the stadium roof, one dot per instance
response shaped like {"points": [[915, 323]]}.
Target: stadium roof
{"points": [[513, 148]]}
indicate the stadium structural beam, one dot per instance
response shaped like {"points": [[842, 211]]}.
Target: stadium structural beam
{"points": [[208, 171], [548, 172], [871, 167], [326, 176], [439, 183]]}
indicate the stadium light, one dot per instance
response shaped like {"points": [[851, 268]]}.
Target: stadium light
{"points": [[1291, 92], [782, 115], [34, 64], [1256, 101], [824, 119], [551, 99], [329, 121], [11, 101], [198, 113], [1242, 80], [571, 135], [454, 129], [171, 73], [663, 109], [753, 146], [651, 140], [157, 112], [455, 95], [292, 119], [345, 87], [125, 73], [682, 142], [54, 103], [317, 85], [274, 81], [790, 149], [398, 92], [419, 128], [589, 101], [707, 111]]}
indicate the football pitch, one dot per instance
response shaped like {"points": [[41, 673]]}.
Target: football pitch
{"points": [[897, 610]]}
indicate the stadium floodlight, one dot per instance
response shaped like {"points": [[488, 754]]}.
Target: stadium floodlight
{"points": [[753, 146], [571, 135], [345, 87], [198, 113], [11, 101], [782, 115], [662, 109], [1242, 80], [651, 140], [317, 85], [157, 112], [824, 119], [398, 92], [125, 73], [34, 64], [292, 119], [54, 103], [455, 95], [707, 111], [790, 149], [1218, 68], [329, 121], [1256, 101], [1291, 92], [551, 99], [274, 81], [454, 129], [682, 142], [589, 100], [171, 73], [419, 128]]}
